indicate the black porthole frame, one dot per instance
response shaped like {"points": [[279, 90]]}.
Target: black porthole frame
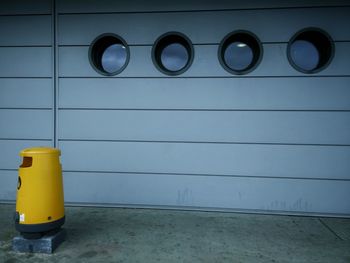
{"points": [[326, 52], [248, 38], [163, 41], [99, 45]]}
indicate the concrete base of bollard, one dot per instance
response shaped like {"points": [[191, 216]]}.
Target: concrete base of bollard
{"points": [[46, 244]]}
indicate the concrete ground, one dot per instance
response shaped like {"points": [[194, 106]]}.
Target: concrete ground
{"points": [[142, 235]]}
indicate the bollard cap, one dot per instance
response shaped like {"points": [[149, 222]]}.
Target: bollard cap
{"points": [[39, 150]]}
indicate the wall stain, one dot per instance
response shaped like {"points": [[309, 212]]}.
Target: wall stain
{"points": [[298, 205], [185, 197]]}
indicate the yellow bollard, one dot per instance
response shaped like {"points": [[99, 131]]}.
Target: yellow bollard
{"points": [[40, 201]]}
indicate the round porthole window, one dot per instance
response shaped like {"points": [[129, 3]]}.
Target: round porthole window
{"points": [[240, 52], [310, 50], [109, 54], [172, 53]]}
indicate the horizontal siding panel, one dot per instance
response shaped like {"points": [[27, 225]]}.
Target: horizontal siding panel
{"points": [[25, 93], [74, 62], [10, 150], [199, 26], [274, 195], [17, 7], [83, 6], [205, 126], [8, 185], [220, 159], [25, 30], [224, 94], [25, 124], [25, 62]]}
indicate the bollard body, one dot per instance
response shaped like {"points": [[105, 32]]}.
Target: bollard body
{"points": [[40, 201]]}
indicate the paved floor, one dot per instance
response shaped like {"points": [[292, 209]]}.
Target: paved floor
{"points": [[141, 235]]}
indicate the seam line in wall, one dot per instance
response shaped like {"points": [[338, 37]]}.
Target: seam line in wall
{"points": [[214, 110], [18, 77], [194, 44], [196, 174], [23, 139], [204, 10], [25, 46], [23, 108], [207, 142], [209, 175], [55, 72], [42, 14], [204, 77]]}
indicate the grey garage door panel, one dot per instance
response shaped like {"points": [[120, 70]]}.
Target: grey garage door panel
{"points": [[199, 26], [8, 185], [25, 30], [207, 191], [315, 93], [14, 7], [25, 124], [205, 126], [275, 195], [83, 6], [10, 149], [25, 62], [25, 93], [329, 162], [74, 62]]}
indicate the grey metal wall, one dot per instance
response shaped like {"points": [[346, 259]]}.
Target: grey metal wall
{"points": [[26, 84], [273, 140]]}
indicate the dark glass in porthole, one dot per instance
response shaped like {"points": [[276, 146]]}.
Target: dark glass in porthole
{"points": [[240, 52], [238, 55], [109, 54], [172, 53], [113, 58], [174, 57], [310, 50], [304, 54]]}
